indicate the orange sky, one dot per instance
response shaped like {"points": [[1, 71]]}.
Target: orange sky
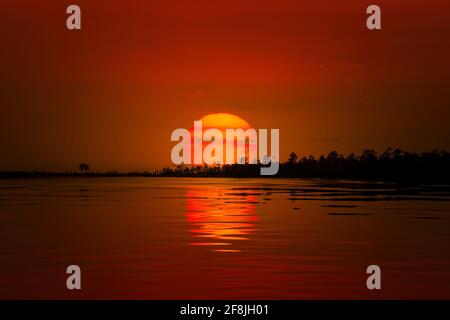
{"points": [[112, 93]]}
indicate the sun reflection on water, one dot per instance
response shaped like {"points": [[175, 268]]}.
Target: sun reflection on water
{"points": [[220, 219]]}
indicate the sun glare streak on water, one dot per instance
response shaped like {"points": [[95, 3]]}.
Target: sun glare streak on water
{"points": [[215, 216]]}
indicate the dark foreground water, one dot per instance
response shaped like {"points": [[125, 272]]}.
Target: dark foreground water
{"points": [[169, 238]]}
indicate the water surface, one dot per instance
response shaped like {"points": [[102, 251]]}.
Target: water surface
{"points": [[212, 238]]}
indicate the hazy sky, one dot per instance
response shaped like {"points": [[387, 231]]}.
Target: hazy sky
{"points": [[111, 94]]}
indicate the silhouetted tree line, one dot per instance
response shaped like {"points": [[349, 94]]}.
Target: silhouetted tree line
{"points": [[390, 165]]}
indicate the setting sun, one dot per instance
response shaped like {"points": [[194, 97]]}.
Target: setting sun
{"points": [[224, 120], [211, 134]]}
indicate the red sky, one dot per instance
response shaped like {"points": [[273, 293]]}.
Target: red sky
{"points": [[111, 94]]}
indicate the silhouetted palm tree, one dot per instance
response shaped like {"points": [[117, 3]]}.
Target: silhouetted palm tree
{"points": [[84, 168], [293, 158]]}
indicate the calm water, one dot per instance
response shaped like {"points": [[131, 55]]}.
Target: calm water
{"points": [[158, 238]]}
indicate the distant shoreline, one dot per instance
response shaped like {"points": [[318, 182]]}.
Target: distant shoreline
{"points": [[10, 175], [393, 165], [45, 174]]}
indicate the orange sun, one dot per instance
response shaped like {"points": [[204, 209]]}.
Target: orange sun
{"points": [[223, 121]]}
